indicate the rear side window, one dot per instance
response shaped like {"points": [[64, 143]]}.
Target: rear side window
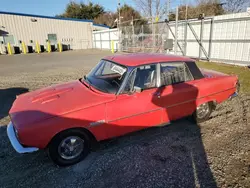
{"points": [[173, 73]]}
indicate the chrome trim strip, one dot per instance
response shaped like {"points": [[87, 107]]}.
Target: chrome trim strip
{"points": [[15, 143], [124, 117], [167, 106], [158, 74]]}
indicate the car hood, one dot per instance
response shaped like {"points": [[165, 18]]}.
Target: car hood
{"points": [[54, 101]]}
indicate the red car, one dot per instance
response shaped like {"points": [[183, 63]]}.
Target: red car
{"points": [[122, 94]]}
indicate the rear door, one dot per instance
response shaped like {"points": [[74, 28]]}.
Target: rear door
{"points": [[178, 92]]}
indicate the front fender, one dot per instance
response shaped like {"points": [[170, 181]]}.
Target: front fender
{"points": [[42, 132]]}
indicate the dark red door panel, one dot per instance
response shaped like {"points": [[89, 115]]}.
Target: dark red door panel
{"points": [[177, 101]]}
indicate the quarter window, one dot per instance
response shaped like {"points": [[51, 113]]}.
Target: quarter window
{"points": [[173, 73]]}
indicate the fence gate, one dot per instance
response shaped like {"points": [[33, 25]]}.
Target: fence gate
{"points": [[156, 37]]}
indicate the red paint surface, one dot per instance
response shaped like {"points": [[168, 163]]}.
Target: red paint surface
{"points": [[145, 58], [40, 115]]}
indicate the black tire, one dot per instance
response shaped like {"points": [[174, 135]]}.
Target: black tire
{"points": [[53, 150], [206, 116]]}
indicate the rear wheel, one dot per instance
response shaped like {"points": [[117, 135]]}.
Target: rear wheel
{"points": [[203, 112], [69, 147]]}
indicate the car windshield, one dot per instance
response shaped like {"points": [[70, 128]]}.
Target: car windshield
{"points": [[106, 76]]}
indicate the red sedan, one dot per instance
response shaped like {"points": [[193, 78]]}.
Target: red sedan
{"points": [[122, 94]]}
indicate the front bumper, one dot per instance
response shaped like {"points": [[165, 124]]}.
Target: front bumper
{"points": [[15, 143]]}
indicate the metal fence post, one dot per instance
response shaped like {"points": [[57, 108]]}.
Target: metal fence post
{"points": [[201, 38], [94, 41], [176, 31], [127, 38], [142, 39], [101, 40], [185, 38], [109, 40], [133, 37], [211, 38], [153, 37]]}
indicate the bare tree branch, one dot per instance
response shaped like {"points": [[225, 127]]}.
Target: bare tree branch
{"points": [[152, 8], [236, 5]]}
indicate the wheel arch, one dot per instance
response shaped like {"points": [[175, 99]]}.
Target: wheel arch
{"points": [[92, 137], [211, 101]]}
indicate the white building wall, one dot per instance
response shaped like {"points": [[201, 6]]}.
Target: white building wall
{"points": [[77, 34], [102, 39]]}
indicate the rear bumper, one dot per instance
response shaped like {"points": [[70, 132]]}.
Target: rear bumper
{"points": [[235, 94], [15, 143]]}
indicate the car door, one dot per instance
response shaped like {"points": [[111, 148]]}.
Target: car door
{"points": [[178, 92], [134, 111]]}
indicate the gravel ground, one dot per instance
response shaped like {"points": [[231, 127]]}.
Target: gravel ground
{"points": [[213, 154]]}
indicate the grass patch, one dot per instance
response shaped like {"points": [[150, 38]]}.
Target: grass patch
{"points": [[242, 72]]}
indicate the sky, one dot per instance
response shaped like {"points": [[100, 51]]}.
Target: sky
{"points": [[51, 7]]}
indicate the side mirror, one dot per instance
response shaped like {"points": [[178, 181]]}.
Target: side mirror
{"points": [[137, 89]]}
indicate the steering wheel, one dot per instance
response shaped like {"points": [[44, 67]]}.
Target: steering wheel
{"points": [[113, 81]]}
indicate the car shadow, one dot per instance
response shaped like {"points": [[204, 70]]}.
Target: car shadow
{"points": [[181, 100], [167, 156], [7, 97]]}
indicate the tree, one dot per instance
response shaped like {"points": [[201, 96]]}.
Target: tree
{"points": [[153, 8], [82, 11], [107, 18], [208, 7], [233, 6], [127, 14]]}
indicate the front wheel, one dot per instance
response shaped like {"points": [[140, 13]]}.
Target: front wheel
{"points": [[202, 112], [69, 147]]}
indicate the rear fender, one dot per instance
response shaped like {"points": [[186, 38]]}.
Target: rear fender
{"points": [[209, 100]]}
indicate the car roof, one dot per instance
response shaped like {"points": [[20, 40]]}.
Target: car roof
{"points": [[136, 59]]}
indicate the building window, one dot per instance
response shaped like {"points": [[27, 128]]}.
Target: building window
{"points": [[8, 39]]}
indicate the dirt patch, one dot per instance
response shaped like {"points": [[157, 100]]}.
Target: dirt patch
{"points": [[213, 154]]}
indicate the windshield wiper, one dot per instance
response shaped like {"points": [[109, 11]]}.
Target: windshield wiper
{"points": [[88, 81]]}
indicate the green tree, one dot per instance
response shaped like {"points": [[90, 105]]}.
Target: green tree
{"points": [[129, 16], [108, 18], [209, 8], [82, 11]]}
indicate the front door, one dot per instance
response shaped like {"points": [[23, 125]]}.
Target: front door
{"points": [[136, 110]]}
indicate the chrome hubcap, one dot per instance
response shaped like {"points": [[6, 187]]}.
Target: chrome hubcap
{"points": [[202, 110], [71, 147]]}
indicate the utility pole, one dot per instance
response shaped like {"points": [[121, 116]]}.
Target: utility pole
{"points": [[185, 31], [176, 30], [168, 9], [118, 25], [186, 13], [133, 32]]}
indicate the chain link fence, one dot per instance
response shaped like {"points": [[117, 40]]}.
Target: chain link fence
{"points": [[144, 38], [223, 38]]}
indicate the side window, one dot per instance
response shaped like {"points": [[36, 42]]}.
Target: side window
{"points": [[143, 77], [172, 73]]}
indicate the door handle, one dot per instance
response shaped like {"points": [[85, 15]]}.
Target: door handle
{"points": [[157, 94]]}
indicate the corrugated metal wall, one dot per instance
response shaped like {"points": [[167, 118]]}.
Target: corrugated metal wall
{"points": [[229, 36], [77, 34], [223, 38], [102, 39]]}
